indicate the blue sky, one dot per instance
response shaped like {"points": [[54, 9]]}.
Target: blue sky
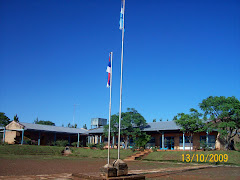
{"points": [[54, 54]]}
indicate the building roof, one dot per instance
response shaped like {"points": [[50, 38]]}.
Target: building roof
{"points": [[96, 130], [153, 126], [161, 126], [40, 127]]}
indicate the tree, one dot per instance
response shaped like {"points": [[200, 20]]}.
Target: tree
{"points": [[160, 119], [190, 123], [85, 126], [224, 115], [131, 124], [15, 118], [154, 120], [4, 120], [43, 122], [72, 126]]}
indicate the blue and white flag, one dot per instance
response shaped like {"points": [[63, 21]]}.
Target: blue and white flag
{"points": [[121, 17], [109, 72]]}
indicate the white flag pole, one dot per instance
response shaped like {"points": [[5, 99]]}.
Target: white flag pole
{"points": [[120, 107], [110, 102]]}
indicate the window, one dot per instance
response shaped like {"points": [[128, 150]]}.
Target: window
{"points": [[187, 139]]}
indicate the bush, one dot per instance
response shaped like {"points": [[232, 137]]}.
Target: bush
{"points": [[91, 146], [154, 149], [100, 146], [74, 144], [61, 143]]}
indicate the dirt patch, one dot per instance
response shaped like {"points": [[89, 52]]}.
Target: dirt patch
{"points": [[219, 173], [23, 168]]}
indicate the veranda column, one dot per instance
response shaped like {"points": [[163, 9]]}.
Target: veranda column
{"points": [[113, 140], [183, 141], [39, 138], [207, 139], [78, 140], [4, 132], [101, 139], [163, 140], [22, 136]]}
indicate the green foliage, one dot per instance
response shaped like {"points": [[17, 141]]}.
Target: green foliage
{"points": [[74, 144], [91, 145], [142, 139], [154, 120], [61, 143], [131, 124], [85, 126], [100, 146], [224, 115], [72, 126], [15, 118], [44, 122], [4, 120], [190, 123], [154, 149]]}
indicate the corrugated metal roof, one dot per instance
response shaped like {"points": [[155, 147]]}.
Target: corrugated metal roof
{"points": [[153, 126], [96, 130], [161, 126], [40, 127]]}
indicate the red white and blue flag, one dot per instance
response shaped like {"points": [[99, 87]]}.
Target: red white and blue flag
{"points": [[109, 72]]}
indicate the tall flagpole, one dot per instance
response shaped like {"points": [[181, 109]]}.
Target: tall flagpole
{"points": [[110, 102], [120, 107]]}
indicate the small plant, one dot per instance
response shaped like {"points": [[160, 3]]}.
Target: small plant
{"points": [[100, 146], [154, 149], [91, 146], [203, 145], [61, 143], [74, 144]]}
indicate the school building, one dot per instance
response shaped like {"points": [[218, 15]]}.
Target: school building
{"points": [[164, 135]]}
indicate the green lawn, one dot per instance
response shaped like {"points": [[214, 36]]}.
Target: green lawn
{"points": [[231, 157], [31, 150]]}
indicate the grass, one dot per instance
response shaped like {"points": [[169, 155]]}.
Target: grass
{"points": [[97, 153], [177, 156], [29, 151]]}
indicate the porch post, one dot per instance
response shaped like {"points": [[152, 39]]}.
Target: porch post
{"points": [[4, 131], [207, 139], [113, 140], [163, 140], [22, 136], [78, 140], [183, 141], [100, 138], [88, 139], [39, 138]]}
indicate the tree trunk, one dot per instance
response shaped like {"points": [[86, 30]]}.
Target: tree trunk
{"points": [[126, 142]]}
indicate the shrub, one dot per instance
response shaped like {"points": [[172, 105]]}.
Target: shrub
{"points": [[74, 144], [154, 149], [91, 145], [61, 143], [100, 146]]}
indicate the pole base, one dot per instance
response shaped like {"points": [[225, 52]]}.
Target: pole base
{"points": [[121, 167], [108, 171]]}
